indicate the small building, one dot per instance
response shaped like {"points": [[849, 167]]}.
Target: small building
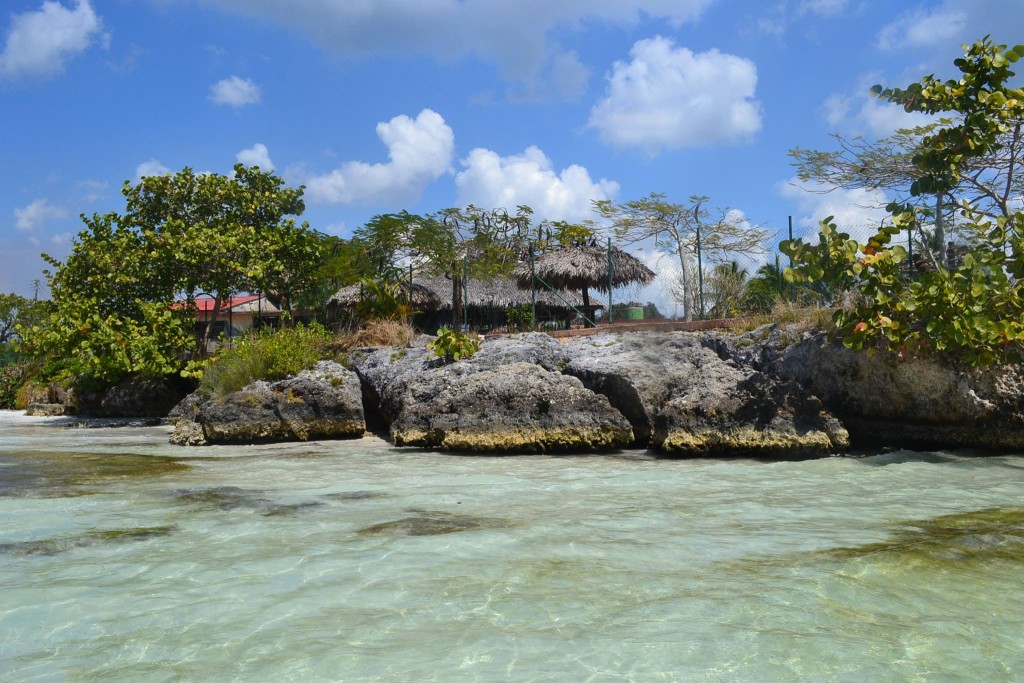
{"points": [[237, 315]]}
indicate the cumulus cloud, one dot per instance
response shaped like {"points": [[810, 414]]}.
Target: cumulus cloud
{"points": [[850, 208], [921, 28], [668, 97], [508, 33], [38, 43], [420, 150], [490, 180], [864, 114], [235, 92], [151, 167], [257, 155], [34, 216]]}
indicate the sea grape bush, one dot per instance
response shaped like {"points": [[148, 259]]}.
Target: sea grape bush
{"points": [[974, 310]]}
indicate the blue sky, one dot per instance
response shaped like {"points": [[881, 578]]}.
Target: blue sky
{"points": [[383, 105]]}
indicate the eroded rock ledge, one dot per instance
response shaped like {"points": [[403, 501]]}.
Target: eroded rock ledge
{"points": [[769, 393]]}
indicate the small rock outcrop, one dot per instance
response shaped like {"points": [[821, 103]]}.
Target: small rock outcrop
{"points": [[916, 403], [322, 403], [513, 408], [741, 412], [686, 398]]}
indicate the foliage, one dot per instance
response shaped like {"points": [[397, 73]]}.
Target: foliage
{"points": [[113, 312], [12, 378], [17, 310], [974, 309], [675, 228], [451, 345], [267, 355], [519, 317], [381, 300]]}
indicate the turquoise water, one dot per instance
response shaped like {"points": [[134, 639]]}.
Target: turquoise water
{"points": [[123, 558]]}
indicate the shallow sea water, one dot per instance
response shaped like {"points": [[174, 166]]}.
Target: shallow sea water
{"points": [[123, 558]]}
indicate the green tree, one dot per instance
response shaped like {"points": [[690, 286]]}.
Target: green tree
{"points": [[113, 310], [975, 309], [675, 227], [17, 310]]}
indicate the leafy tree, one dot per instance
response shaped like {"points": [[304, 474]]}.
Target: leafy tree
{"points": [[17, 310], [182, 235], [975, 308], [675, 228]]}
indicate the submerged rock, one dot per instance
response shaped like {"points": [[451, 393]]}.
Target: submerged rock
{"points": [[432, 523], [321, 403]]}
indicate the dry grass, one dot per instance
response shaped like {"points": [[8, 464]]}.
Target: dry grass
{"points": [[799, 319], [373, 333]]}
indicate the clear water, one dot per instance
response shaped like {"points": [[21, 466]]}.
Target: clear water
{"points": [[123, 558]]}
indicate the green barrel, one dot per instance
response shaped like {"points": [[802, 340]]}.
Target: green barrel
{"points": [[635, 313]]}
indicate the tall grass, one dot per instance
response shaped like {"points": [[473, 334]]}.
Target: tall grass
{"points": [[268, 355]]}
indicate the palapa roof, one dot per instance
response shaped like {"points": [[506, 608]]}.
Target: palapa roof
{"points": [[497, 292], [423, 298], [576, 268]]}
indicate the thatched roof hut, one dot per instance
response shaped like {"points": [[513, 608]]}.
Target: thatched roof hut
{"points": [[423, 298], [498, 292], [582, 268]]}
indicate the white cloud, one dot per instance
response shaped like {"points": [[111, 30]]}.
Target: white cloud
{"points": [[853, 208], [492, 181], [865, 114], [35, 215], [257, 155], [39, 42], [420, 150], [151, 167], [921, 28], [514, 35], [235, 92], [669, 97]]}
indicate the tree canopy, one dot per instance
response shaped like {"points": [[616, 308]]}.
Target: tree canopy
{"points": [[682, 229], [113, 309], [974, 307]]}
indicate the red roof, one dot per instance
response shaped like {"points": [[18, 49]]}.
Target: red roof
{"points": [[205, 304]]}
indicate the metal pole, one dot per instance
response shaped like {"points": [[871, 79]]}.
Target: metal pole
{"points": [[700, 274], [792, 285], [910, 251], [609, 280], [533, 294]]}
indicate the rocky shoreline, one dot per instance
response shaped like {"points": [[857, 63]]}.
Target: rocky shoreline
{"points": [[772, 392]]}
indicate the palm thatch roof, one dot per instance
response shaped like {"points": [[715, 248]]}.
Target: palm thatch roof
{"points": [[584, 267], [497, 292], [423, 298]]}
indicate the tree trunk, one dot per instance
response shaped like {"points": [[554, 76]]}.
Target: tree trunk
{"points": [[457, 301], [684, 277], [588, 314]]}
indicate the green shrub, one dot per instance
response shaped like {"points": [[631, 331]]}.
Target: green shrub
{"points": [[268, 355], [450, 345], [12, 378]]}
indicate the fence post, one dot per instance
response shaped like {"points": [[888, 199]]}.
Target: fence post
{"points": [[700, 274], [533, 294], [910, 252], [465, 298], [792, 285], [609, 281]]}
